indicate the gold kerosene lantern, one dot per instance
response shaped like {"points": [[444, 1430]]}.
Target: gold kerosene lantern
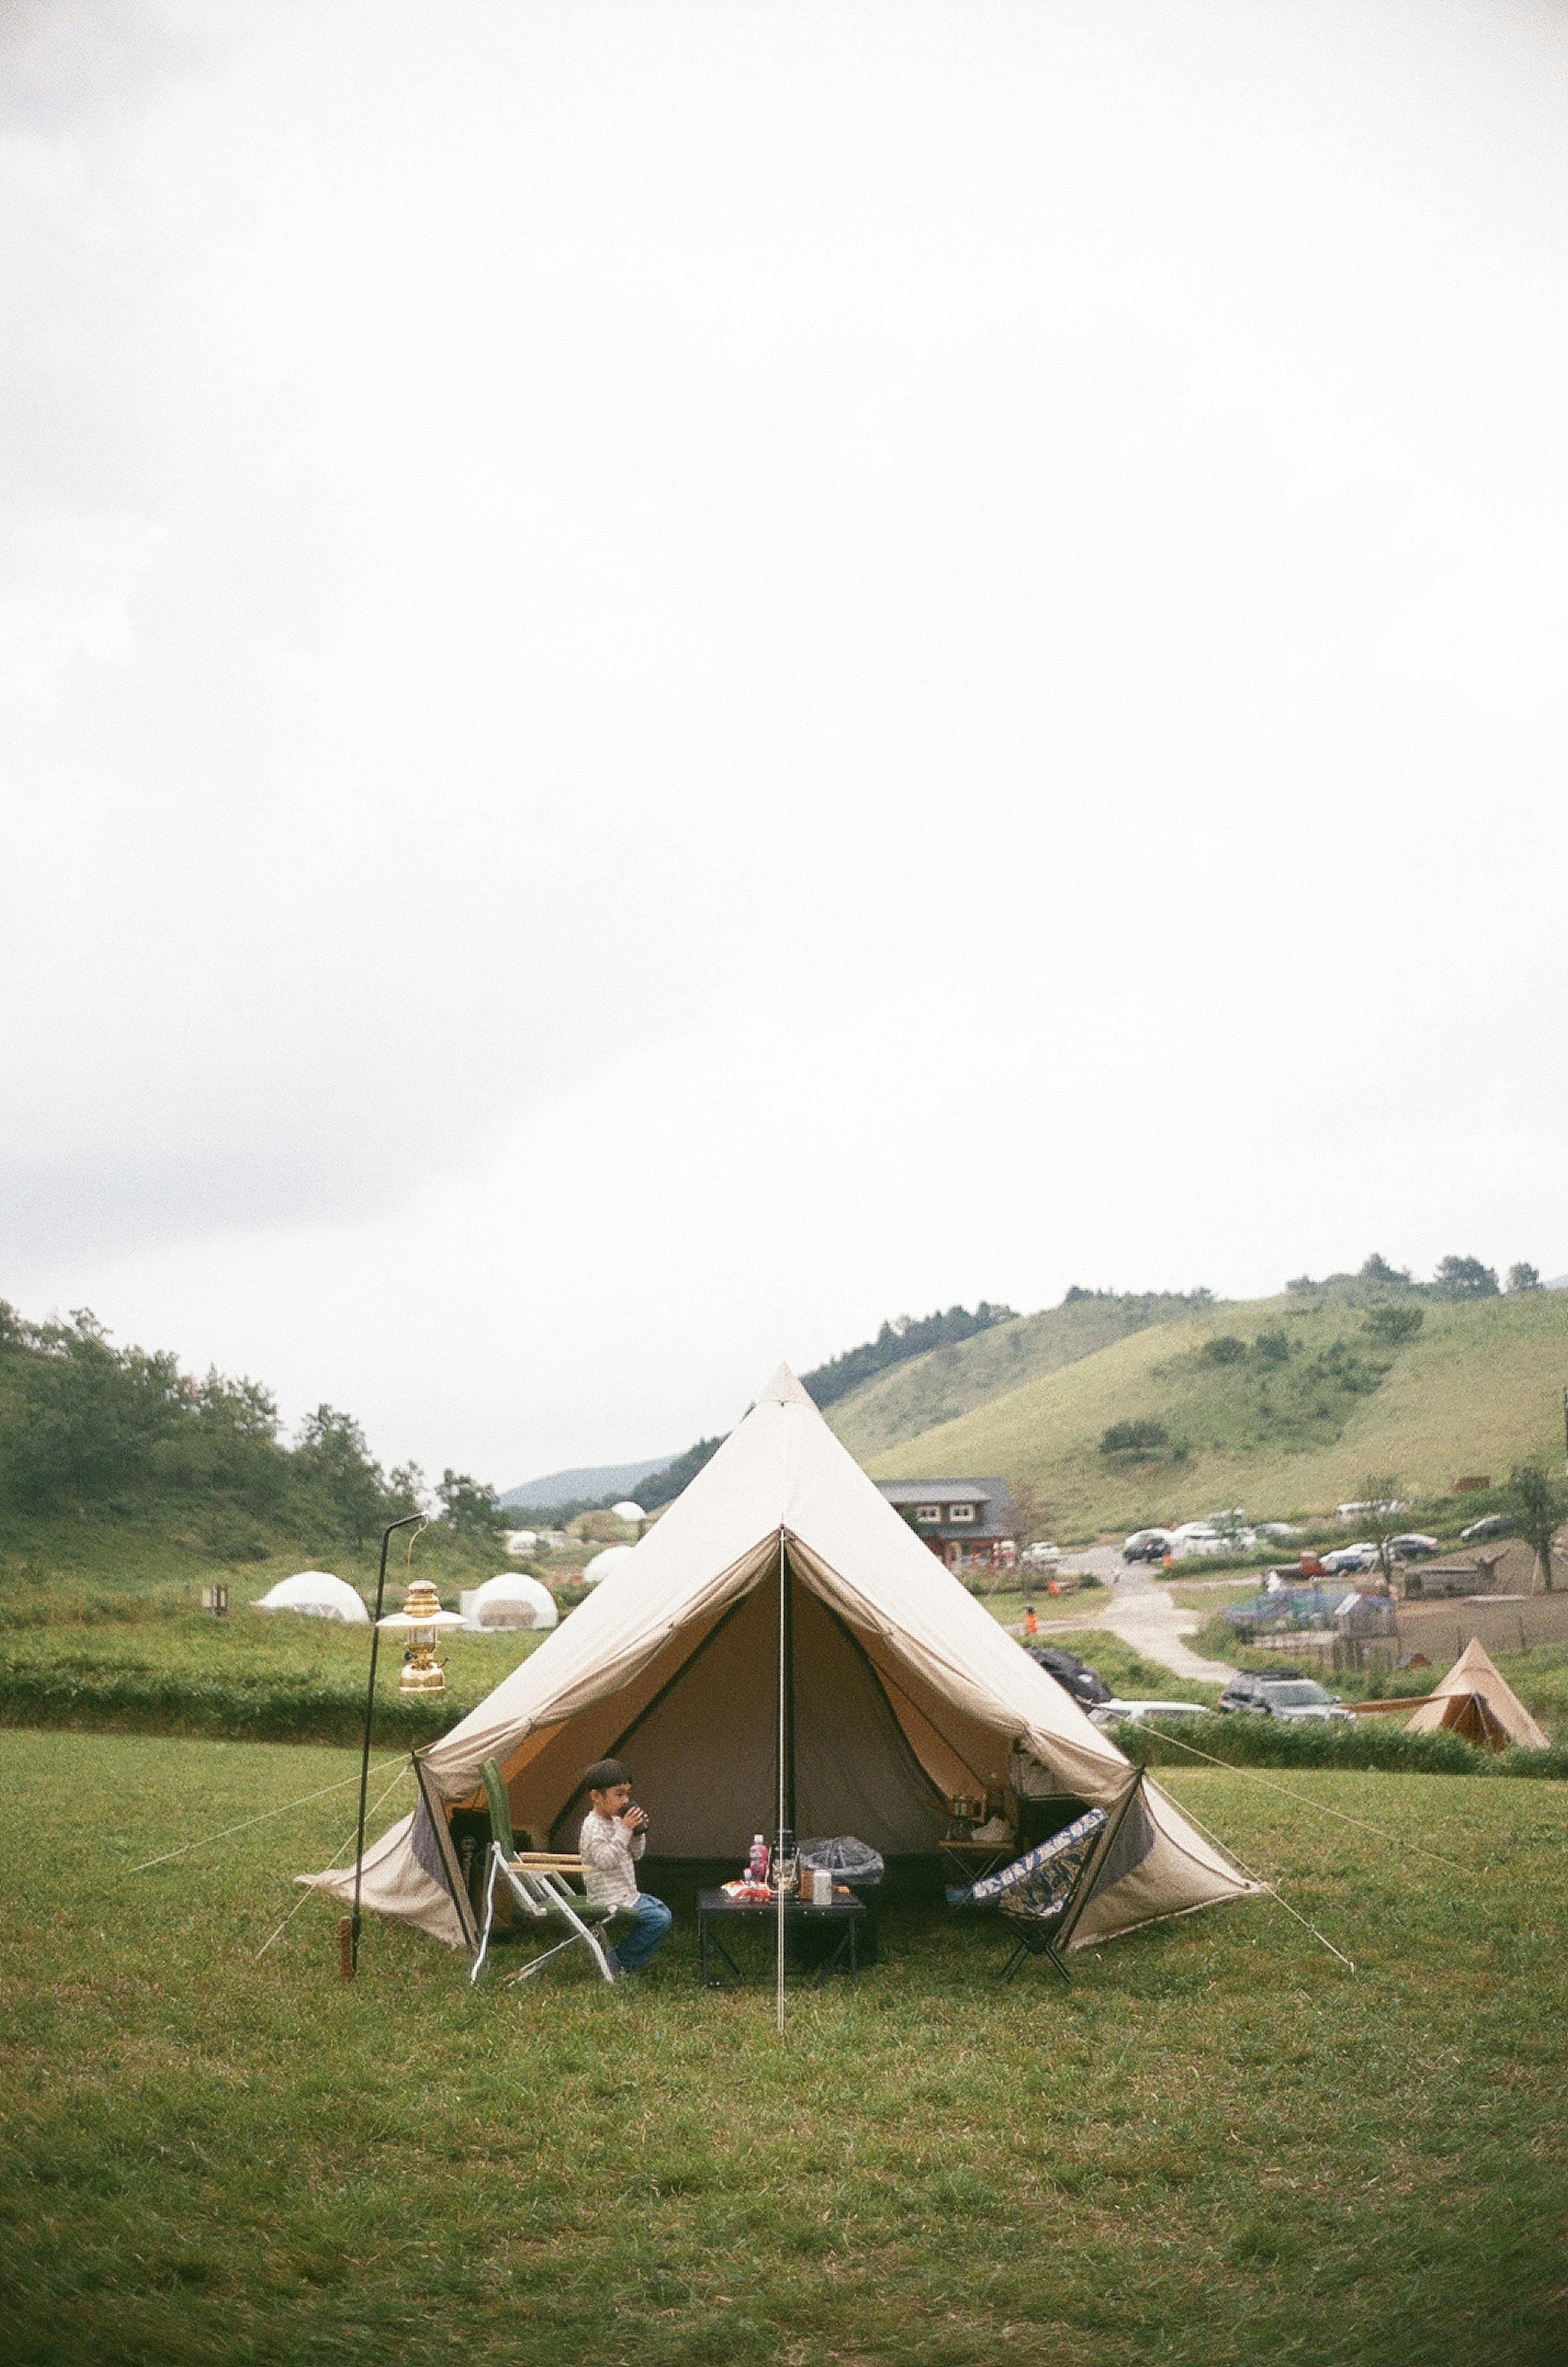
{"points": [[422, 1621]]}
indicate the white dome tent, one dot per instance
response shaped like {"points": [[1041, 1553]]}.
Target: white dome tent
{"points": [[629, 1512], [318, 1595], [604, 1565], [511, 1600]]}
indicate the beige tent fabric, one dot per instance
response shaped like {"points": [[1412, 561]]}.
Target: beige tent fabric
{"points": [[1474, 1675], [394, 1883], [935, 1682]]}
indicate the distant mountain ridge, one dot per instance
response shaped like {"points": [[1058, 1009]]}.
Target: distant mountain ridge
{"points": [[590, 1482]]}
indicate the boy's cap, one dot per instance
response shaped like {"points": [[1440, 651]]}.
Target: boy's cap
{"points": [[605, 1772]]}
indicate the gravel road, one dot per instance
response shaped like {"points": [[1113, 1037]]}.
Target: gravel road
{"points": [[1143, 1616]]}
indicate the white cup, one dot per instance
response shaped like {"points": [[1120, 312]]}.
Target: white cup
{"points": [[821, 1887]]}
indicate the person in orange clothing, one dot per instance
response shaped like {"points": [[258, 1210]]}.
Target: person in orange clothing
{"points": [[1031, 1625]]}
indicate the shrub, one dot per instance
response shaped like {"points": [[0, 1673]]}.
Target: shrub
{"points": [[1242, 1741], [1393, 1325], [1271, 1348], [1133, 1438], [1225, 1350]]}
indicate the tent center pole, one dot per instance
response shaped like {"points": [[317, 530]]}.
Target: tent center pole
{"points": [[786, 1779]]}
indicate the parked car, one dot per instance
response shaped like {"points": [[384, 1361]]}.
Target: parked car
{"points": [[1281, 1692], [1112, 1712], [1202, 1538], [1148, 1544], [1041, 1556], [1413, 1546], [1495, 1525], [1276, 1529], [1074, 1676], [1348, 1558]]}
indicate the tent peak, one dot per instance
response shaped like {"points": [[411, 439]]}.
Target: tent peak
{"points": [[784, 1389]]}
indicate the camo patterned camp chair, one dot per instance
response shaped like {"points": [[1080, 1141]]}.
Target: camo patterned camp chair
{"points": [[1043, 1893]]}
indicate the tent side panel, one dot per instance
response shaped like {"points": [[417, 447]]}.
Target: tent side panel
{"points": [[1180, 1872], [395, 1884]]}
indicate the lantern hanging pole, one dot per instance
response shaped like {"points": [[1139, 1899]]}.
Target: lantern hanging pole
{"points": [[387, 1535]]}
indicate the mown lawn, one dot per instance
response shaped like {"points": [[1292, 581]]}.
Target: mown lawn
{"points": [[262, 1673], [1219, 2146]]}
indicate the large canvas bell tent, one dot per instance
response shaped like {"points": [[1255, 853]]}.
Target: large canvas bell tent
{"points": [[899, 1692]]}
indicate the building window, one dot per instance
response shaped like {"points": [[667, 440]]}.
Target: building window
{"points": [[928, 1515], [960, 1512]]}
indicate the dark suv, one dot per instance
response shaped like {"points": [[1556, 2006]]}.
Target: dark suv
{"points": [[1074, 1675], [1283, 1692]]}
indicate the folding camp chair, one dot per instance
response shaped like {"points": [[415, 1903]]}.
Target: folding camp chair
{"points": [[1043, 1893], [541, 1893]]}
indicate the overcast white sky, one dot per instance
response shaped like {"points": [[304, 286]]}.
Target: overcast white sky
{"points": [[677, 676]]}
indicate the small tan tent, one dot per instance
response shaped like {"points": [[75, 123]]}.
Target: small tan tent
{"points": [[1474, 1701], [902, 1693]]}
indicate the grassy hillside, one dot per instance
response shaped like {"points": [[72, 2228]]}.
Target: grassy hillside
{"points": [[1281, 1431], [951, 1381]]}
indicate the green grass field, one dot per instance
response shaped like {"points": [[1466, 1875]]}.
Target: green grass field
{"points": [[1220, 2146], [1478, 1389], [100, 1627]]}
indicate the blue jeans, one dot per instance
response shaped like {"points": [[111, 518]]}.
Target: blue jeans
{"points": [[646, 1934]]}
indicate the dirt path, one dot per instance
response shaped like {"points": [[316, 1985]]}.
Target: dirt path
{"points": [[1145, 1617]]}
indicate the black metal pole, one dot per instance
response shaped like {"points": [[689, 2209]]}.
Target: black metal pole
{"points": [[387, 1535], [789, 1698]]}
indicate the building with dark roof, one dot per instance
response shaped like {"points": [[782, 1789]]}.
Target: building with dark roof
{"points": [[969, 1524]]}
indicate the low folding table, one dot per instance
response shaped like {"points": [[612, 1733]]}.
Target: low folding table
{"points": [[715, 1908]]}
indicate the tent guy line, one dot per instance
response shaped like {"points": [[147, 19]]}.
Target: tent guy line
{"points": [[1271, 1889], [405, 1770], [207, 1839], [1304, 1800]]}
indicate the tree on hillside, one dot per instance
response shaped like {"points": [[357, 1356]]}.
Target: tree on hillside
{"points": [[1378, 1269], [468, 1506], [1539, 1506], [81, 1420], [1226, 1349], [1523, 1277], [1380, 1513], [906, 1336], [1464, 1277], [1393, 1326], [334, 1460]]}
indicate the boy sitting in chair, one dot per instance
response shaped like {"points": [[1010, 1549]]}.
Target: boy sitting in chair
{"points": [[614, 1837]]}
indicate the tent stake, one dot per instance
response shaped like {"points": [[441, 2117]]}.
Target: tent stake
{"points": [[386, 1535]]}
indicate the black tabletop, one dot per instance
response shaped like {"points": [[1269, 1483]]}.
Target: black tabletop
{"points": [[717, 1902]]}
